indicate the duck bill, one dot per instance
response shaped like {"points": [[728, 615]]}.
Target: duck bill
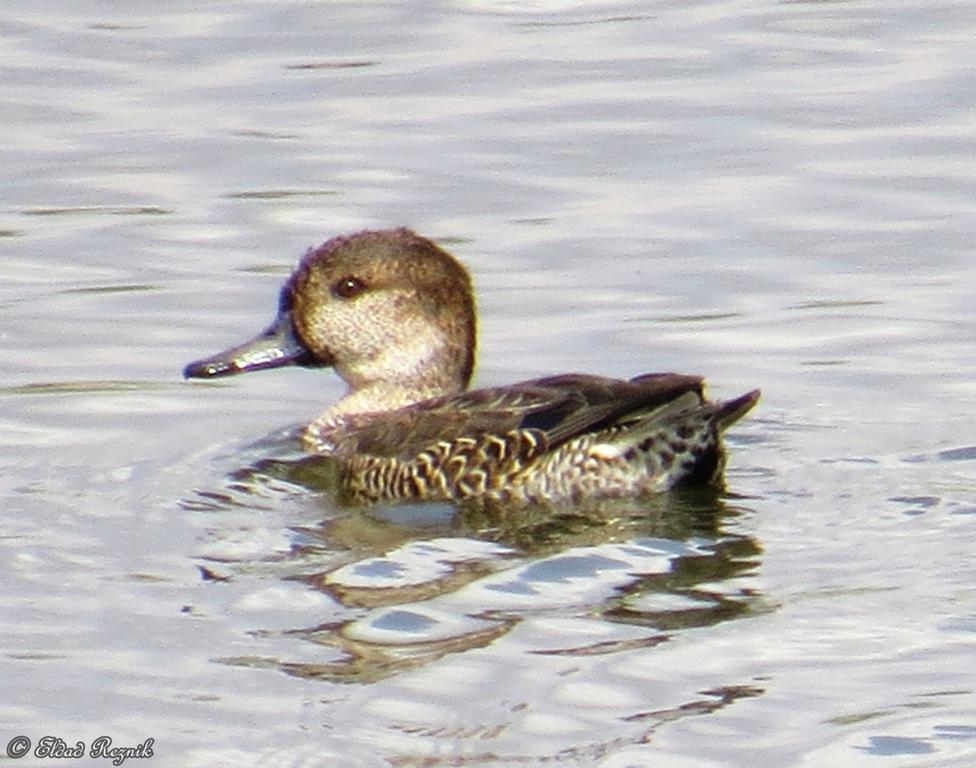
{"points": [[275, 347]]}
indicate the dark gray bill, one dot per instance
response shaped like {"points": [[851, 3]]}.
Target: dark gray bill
{"points": [[276, 346]]}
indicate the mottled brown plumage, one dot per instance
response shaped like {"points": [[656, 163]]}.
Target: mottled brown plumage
{"points": [[394, 315]]}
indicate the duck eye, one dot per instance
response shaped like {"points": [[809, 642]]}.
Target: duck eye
{"points": [[348, 287]]}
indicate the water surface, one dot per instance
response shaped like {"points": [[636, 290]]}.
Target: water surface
{"points": [[776, 195]]}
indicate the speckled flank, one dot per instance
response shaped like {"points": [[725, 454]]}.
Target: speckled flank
{"points": [[450, 469], [394, 315], [520, 466]]}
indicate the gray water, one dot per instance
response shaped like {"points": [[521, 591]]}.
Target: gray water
{"points": [[775, 195]]}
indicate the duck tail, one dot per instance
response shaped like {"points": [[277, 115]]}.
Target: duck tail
{"points": [[680, 442], [729, 412]]}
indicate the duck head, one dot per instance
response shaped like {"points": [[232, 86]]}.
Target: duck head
{"points": [[391, 311]]}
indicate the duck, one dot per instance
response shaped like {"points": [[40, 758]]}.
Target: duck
{"points": [[393, 314]]}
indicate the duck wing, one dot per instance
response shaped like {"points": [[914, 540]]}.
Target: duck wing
{"points": [[553, 409]]}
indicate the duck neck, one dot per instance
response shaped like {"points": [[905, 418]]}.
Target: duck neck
{"points": [[385, 396], [425, 363], [361, 403]]}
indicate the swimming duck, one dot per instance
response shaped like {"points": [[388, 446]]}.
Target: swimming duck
{"points": [[393, 314]]}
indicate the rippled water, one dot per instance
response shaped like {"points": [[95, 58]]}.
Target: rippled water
{"points": [[776, 195]]}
